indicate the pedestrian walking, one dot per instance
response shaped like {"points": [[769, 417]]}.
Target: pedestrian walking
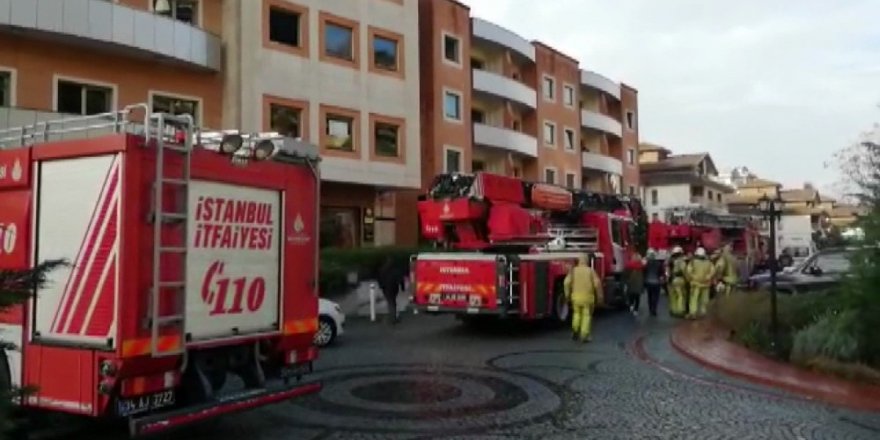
{"points": [[583, 288], [700, 274], [635, 282], [655, 278], [392, 279], [677, 282]]}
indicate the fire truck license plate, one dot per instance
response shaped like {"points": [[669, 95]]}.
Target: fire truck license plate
{"points": [[140, 404], [455, 297]]}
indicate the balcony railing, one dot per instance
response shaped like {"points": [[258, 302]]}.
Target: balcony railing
{"points": [[491, 32], [505, 139], [600, 162], [503, 87], [596, 81], [139, 32], [598, 121]]}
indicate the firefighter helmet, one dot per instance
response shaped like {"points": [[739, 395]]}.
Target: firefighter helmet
{"points": [[700, 253], [677, 250]]}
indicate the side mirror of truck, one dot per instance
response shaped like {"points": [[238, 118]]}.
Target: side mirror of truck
{"points": [[815, 271]]}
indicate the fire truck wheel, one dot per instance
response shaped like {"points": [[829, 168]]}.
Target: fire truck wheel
{"points": [[5, 373], [561, 310]]}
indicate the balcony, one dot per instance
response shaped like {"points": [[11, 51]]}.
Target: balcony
{"points": [[505, 139], [99, 23], [505, 88], [599, 82], [598, 121], [603, 163], [492, 33]]}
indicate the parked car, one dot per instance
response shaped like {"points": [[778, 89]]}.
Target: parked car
{"points": [[330, 323], [819, 271]]}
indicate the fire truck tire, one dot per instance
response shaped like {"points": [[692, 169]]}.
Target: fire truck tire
{"points": [[19, 430], [561, 308]]}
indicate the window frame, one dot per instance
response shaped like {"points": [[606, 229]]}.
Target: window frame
{"points": [[631, 156], [573, 177], [302, 106], [630, 120], [460, 50], [460, 151], [552, 89], [13, 84], [552, 143], [200, 106], [565, 133], [198, 15], [56, 79], [655, 197], [374, 32], [566, 87], [304, 27], [326, 19], [400, 123], [357, 146], [555, 172], [460, 95]]}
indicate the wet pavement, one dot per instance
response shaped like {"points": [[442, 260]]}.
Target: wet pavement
{"points": [[432, 378]]}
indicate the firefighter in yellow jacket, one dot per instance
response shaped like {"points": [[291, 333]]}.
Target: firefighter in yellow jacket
{"points": [[677, 282], [700, 274], [728, 270], [583, 289]]}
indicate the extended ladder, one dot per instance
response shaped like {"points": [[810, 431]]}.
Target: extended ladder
{"points": [[167, 141]]}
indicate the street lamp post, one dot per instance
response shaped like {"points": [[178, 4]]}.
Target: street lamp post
{"points": [[771, 210]]}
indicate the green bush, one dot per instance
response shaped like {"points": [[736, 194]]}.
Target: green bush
{"points": [[336, 264], [832, 336]]}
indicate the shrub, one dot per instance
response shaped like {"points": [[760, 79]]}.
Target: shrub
{"points": [[849, 371], [336, 264], [833, 336]]}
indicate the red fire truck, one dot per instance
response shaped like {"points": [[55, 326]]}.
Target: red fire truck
{"points": [[508, 244], [192, 259], [690, 227]]}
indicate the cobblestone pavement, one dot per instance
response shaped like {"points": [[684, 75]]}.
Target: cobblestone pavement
{"points": [[431, 378]]}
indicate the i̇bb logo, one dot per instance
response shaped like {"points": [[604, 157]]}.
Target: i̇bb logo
{"points": [[8, 233], [248, 292]]}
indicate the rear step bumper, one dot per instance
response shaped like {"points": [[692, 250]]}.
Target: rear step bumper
{"points": [[156, 423]]}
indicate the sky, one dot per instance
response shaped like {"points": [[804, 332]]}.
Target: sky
{"points": [[777, 86]]}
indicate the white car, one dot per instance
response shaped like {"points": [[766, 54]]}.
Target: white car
{"points": [[330, 321]]}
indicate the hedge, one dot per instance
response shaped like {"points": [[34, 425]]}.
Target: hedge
{"points": [[336, 264]]}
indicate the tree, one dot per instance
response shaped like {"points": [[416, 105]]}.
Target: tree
{"points": [[16, 286], [860, 164]]}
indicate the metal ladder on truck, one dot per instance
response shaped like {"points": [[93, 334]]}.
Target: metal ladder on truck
{"points": [[168, 143]]}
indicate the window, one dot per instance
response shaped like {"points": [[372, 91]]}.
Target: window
{"points": [[386, 53], [569, 180], [719, 197], [452, 161], [5, 89], [549, 88], [284, 27], [386, 138], [568, 97], [477, 64], [176, 106], [452, 49], [654, 197], [837, 262], [632, 190], [83, 99], [182, 10], [631, 156], [286, 120], [569, 139], [550, 175], [340, 132], [478, 165], [711, 195], [549, 133], [339, 41], [452, 106], [478, 117], [630, 120]]}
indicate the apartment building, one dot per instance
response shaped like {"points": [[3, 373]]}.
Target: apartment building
{"points": [[343, 75], [493, 100], [683, 180], [83, 57]]}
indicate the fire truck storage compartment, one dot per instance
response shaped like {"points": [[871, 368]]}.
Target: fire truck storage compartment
{"points": [[78, 215], [233, 260], [536, 288], [455, 280]]}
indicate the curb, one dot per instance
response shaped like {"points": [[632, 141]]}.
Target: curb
{"points": [[705, 344]]}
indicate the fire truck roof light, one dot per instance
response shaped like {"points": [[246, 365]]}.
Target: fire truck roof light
{"points": [[231, 143], [264, 149]]}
